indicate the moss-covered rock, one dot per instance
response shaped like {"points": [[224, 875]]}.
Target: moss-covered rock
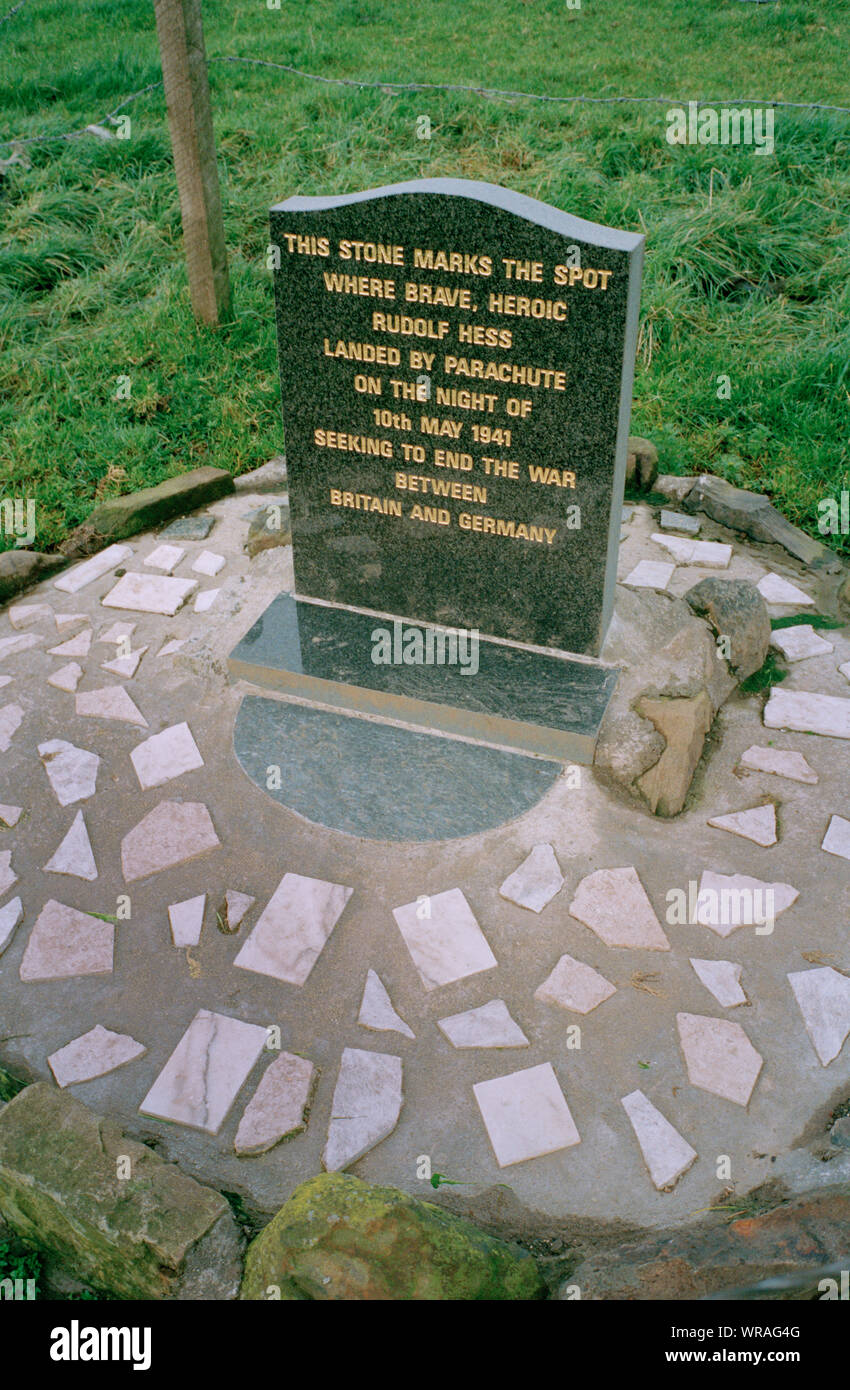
{"points": [[118, 517], [340, 1238]]}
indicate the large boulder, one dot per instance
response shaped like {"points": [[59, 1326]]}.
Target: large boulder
{"points": [[118, 517], [20, 568], [340, 1238], [755, 515], [736, 611], [117, 1216]]}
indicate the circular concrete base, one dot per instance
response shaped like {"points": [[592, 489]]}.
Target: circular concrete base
{"points": [[378, 781]]}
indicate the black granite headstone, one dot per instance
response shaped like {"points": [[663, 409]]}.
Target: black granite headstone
{"points": [[456, 366]]}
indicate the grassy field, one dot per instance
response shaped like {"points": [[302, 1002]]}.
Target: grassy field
{"points": [[748, 257]]}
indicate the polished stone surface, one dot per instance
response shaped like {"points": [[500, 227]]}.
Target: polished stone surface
{"points": [[381, 782], [433, 565], [526, 1114], [293, 928], [65, 942], [366, 1105], [444, 939], [205, 1072]]}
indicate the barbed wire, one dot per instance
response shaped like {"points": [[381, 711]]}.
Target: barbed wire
{"points": [[390, 87]]}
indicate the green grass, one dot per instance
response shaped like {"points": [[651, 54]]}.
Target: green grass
{"points": [[748, 257]]}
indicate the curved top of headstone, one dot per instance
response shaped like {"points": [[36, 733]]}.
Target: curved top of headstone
{"points": [[531, 209]]}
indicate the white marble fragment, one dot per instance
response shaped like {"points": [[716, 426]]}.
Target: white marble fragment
{"points": [[9, 646], [75, 646], [278, 1107], [66, 677], [574, 985], [366, 1105], [124, 666], [806, 712], [525, 1114], [65, 943], [206, 600], [165, 558], [613, 903], [650, 574], [837, 837], [66, 621], [4, 680], [235, 907], [293, 928], [150, 593], [679, 521], [116, 633], [722, 978], [11, 718], [205, 1072], [444, 938], [10, 815], [536, 881], [823, 997], [166, 755], [666, 1154], [7, 873], [490, 1025], [719, 1056], [174, 832], [209, 563], [844, 668], [186, 920], [757, 824], [10, 915], [799, 642], [93, 1054], [72, 771], [780, 761], [711, 554], [774, 589], [74, 855], [77, 578], [376, 1009], [24, 615], [171, 647], [727, 901], [110, 702]]}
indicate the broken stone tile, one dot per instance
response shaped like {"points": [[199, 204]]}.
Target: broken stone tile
{"points": [[74, 855], [365, 1108], [525, 1114], [11, 718], [679, 521], [837, 837], [650, 574], [490, 1025], [711, 554], [536, 881], [205, 1072], [110, 702], [235, 907], [666, 1154], [774, 589], [727, 901], [806, 712], [293, 928], [10, 915], [9, 646], [574, 985], [446, 942], [209, 563], [174, 832], [67, 677], [65, 942], [93, 1054], [187, 920], [76, 646], [206, 600], [171, 647], [116, 633], [719, 1056], [23, 615], [77, 578], [10, 815], [7, 873], [150, 593], [72, 771], [376, 1009], [166, 755], [844, 668], [278, 1107], [189, 528], [757, 824], [125, 666], [4, 680], [823, 997], [780, 761], [722, 978], [613, 903], [165, 558], [798, 643], [66, 621]]}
